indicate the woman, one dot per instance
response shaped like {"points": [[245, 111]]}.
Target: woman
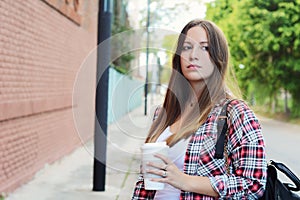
{"points": [[188, 120]]}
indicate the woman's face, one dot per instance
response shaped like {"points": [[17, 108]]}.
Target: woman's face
{"points": [[194, 59]]}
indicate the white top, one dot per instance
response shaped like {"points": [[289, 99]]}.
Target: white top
{"points": [[176, 154]]}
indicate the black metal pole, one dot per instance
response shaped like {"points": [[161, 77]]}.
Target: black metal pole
{"points": [[147, 56], [103, 60]]}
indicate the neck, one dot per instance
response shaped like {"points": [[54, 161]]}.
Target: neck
{"points": [[198, 87]]}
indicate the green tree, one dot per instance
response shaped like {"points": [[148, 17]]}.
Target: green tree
{"points": [[264, 36], [120, 24], [169, 45]]}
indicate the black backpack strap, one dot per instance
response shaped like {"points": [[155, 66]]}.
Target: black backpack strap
{"points": [[223, 126], [284, 169]]}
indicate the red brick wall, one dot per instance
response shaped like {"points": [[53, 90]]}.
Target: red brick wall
{"points": [[42, 45]]}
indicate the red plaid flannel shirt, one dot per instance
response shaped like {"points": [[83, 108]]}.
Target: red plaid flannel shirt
{"points": [[248, 166]]}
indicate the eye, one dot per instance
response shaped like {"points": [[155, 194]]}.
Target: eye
{"points": [[186, 47], [204, 48]]}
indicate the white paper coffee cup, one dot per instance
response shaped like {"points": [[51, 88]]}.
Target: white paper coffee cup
{"points": [[148, 151]]}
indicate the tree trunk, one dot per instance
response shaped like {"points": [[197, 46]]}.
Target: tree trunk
{"points": [[274, 103], [286, 108]]}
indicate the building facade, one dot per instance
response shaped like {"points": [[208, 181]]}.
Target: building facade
{"points": [[43, 44]]}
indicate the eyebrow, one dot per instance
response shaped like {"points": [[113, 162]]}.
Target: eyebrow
{"points": [[201, 43], [204, 42]]}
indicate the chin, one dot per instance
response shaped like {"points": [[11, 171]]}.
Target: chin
{"points": [[195, 79]]}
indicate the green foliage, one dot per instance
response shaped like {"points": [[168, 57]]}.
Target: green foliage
{"points": [[120, 24], [2, 196], [169, 44], [120, 69], [264, 36]]}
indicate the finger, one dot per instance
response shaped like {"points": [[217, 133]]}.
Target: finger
{"points": [[154, 171], [156, 165], [162, 180], [164, 158]]}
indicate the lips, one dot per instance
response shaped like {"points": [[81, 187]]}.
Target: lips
{"points": [[193, 67]]}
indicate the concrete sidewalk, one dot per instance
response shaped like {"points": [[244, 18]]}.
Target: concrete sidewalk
{"points": [[72, 176]]}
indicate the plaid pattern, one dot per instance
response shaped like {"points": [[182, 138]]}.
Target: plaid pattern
{"points": [[248, 166]]}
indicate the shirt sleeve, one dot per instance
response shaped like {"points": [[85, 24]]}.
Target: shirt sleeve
{"points": [[246, 150], [139, 192]]}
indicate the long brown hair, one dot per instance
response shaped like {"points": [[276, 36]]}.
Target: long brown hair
{"points": [[179, 90]]}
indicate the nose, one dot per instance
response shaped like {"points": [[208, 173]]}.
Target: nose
{"points": [[194, 53]]}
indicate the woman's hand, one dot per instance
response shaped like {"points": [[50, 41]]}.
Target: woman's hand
{"points": [[172, 175], [169, 172]]}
